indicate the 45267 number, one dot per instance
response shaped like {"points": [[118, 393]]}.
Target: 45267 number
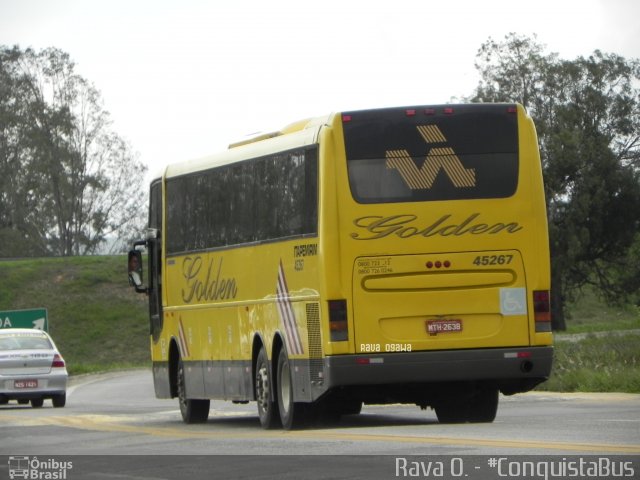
{"points": [[485, 260]]}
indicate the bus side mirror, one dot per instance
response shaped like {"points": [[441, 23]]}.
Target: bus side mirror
{"points": [[135, 271]]}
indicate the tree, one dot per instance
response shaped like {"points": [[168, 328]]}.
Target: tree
{"points": [[587, 113], [69, 181]]}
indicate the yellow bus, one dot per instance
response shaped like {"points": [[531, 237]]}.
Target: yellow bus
{"points": [[395, 255]]}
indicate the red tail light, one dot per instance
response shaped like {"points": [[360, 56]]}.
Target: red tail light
{"points": [[542, 310], [338, 324], [58, 361]]}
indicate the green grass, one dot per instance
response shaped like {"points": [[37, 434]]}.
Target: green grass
{"points": [[610, 363], [96, 320], [100, 324], [590, 314], [600, 351]]}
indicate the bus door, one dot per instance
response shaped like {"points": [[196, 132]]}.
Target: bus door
{"points": [[154, 249]]}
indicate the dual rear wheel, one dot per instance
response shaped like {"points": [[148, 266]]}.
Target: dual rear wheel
{"points": [[278, 407]]}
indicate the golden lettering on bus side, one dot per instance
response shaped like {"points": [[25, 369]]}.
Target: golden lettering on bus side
{"points": [[403, 226], [210, 285]]}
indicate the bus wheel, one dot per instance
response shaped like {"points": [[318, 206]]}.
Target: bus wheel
{"points": [[477, 406], [192, 411], [484, 406], [293, 415], [267, 409]]}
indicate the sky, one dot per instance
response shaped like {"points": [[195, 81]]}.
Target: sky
{"points": [[184, 79]]}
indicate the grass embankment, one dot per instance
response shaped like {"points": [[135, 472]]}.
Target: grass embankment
{"points": [[99, 323], [95, 318], [600, 351]]}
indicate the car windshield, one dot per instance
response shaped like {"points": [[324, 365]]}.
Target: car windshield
{"points": [[25, 342]]}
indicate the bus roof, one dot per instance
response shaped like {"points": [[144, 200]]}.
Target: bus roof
{"points": [[295, 135]]}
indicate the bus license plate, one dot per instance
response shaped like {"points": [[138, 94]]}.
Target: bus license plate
{"points": [[452, 325], [25, 384]]}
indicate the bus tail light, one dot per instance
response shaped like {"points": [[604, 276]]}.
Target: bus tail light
{"points": [[542, 310], [338, 324]]}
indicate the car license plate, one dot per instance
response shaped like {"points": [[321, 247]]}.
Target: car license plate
{"points": [[450, 325], [25, 384]]}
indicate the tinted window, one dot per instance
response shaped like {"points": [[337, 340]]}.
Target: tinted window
{"points": [[432, 155], [155, 205], [252, 201]]}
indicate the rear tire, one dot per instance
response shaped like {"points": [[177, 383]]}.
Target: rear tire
{"points": [[293, 415], [478, 406], [267, 408], [485, 405], [59, 401], [192, 411]]}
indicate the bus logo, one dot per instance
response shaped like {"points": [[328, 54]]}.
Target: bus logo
{"points": [[438, 158]]}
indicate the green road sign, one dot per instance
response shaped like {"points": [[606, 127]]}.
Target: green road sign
{"points": [[34, 318]]}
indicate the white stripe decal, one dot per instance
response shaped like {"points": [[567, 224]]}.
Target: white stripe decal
{"points": [[182, 340], [287, 316]]}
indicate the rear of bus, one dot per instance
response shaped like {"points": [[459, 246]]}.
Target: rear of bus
{"points": [[443, 256]]}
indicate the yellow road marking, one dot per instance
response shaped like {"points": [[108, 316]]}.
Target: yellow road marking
{"points": [[108, 423]]}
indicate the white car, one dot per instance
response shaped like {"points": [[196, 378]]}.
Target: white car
{"points": [[31, 368]]}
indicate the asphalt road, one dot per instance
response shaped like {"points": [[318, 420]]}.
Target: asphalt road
{"points": [[117, 414]]}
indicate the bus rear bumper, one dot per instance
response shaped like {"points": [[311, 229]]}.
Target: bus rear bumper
{"points": [[512, 369]]}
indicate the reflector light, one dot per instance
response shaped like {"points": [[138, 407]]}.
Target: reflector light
{"points": [[517, 355], [447, 264], [368, 360], [429, 264], [438, 264], [346, 118], [448, 110], [410, 112]]}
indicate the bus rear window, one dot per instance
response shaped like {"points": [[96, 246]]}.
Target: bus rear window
{"points": [[432, 153]]}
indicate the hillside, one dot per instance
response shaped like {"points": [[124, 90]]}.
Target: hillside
{"points": [[95, 318]]}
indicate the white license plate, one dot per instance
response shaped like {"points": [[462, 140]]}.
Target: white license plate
{"points": [[451, 325], [25, 384]]}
